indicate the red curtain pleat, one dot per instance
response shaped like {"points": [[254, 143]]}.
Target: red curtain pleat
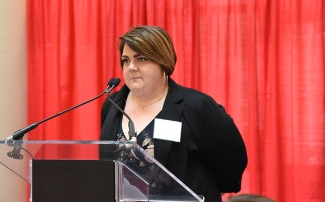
{"points": [[261, 59]]}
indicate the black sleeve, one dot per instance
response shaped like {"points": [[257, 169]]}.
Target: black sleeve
{"points": [[221, 146]]}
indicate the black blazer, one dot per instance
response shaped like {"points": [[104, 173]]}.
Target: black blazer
{"points": [[211, 156]]}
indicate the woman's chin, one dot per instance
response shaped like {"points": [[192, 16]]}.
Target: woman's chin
{"points": [[135, 87]]}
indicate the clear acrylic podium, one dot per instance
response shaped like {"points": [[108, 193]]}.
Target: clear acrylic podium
{"points": [[91, 171]]}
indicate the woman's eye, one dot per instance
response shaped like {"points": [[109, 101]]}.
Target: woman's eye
{"points": [[142, 59], [125, 60]]}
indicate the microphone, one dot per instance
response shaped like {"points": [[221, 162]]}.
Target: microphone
{"points": [[19, 134], [132, 133], [15, 153]]}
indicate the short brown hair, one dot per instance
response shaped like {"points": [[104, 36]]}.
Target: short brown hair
{"points": [[152, 42]]}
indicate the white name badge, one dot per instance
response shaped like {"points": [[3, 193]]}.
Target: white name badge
{"points": [[167, 130]]}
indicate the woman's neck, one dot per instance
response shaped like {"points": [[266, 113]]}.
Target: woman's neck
{"points": [[150, 98]]}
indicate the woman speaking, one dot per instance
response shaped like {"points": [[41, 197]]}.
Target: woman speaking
{"points": [[201, 145]]}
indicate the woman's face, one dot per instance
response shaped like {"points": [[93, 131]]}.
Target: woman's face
{"points": [[141, 75]]}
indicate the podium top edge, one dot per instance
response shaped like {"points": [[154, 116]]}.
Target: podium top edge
{"points": [[97, 142]]}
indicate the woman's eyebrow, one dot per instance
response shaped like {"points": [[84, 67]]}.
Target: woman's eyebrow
{"points": [[136, 55]]}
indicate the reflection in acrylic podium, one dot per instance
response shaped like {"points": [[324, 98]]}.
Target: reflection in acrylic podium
{"points": [[91, 171]]}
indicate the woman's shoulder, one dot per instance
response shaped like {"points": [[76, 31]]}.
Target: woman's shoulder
{"points": [[186, 92], [196, 98], [191, 92], [116, 97]]}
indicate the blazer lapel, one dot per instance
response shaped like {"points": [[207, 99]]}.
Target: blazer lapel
{"points": [[171, 111]]}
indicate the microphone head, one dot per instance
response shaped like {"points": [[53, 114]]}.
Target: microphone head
{"points": [[110, 82], [116, 82]]}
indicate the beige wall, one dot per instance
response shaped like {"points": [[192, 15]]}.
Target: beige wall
{"points": [[13, 88]]}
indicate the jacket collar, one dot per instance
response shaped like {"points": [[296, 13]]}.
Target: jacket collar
{"points": [[171, 111], [174, 93]]}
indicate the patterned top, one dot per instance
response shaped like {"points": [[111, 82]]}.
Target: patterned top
{"points": [[144, 138], [143, 166]]}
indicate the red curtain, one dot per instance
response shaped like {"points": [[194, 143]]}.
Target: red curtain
{"points": [[262, 59]]}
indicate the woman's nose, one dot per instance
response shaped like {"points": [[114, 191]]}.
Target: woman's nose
{"points": [[133, 67]]}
